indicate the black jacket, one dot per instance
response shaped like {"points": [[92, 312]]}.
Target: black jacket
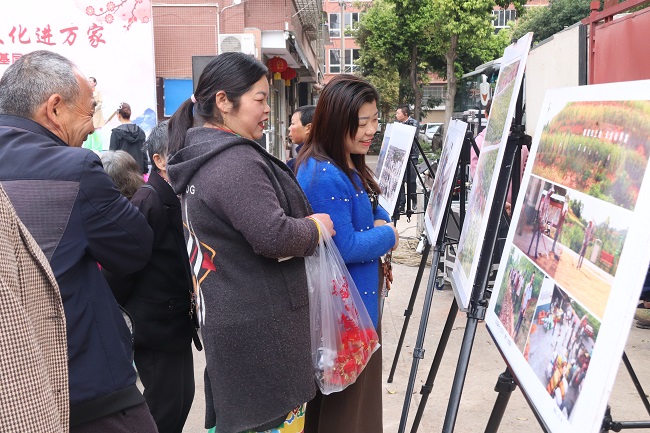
{"points": [[158, 297], [129, 137], [79, 219]]}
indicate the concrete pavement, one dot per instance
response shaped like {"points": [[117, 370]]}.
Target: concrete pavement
{"points": [[485, 366]]}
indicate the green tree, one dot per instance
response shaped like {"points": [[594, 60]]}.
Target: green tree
{"points": [[414, 37], [545, 21], [465, 38], [376, 59]]}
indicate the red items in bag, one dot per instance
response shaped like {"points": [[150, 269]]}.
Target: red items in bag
{"points": [[343, 337]]}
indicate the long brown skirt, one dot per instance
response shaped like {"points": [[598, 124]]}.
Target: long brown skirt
{"points": [[356, 409]]}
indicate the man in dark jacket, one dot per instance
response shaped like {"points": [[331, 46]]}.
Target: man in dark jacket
{"points": [[159, 297], [79, 220], [129, 137], [403, 115]]}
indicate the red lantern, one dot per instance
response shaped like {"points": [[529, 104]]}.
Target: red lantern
{"points": [[288, 75], [277, 65]]}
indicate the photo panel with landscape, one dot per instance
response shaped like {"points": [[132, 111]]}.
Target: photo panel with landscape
{"points": [[575, 238], [394, 164], [599, 148], [487, 170], [582, 220], [444, 178]]}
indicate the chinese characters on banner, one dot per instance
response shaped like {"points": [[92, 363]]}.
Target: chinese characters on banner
{"points": [[94, 35]]}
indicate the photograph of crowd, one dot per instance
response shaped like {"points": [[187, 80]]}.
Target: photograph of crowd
{"points": [[382, 151], [444, 178], [600, 148], [392, 173], [518, 296], [560, 346], [576, 239], [396, 148]]}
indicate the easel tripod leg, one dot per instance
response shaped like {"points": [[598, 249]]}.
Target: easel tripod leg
{"points": [[409, 308], [437, 359], [505, 385], [418, 351]]}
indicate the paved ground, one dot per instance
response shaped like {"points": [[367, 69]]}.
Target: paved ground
{"points": [[485, 366]]}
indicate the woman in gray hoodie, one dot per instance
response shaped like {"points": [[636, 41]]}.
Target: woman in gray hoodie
{"points": [[248, 227]]}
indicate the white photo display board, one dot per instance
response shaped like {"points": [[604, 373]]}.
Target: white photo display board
{"points": [[394, 163], [487, 170], [442, 183], [577, 252]]}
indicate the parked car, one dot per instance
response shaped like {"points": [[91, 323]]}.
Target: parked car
{"points": [[431, 133]]}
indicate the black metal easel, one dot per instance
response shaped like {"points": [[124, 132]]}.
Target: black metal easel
{"points": [[480, 297], [418, 351], [469, 141]]}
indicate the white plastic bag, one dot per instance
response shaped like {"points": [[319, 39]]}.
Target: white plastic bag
{"points": [[342, 334]]}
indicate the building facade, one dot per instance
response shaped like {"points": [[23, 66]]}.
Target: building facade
{"points": [[188, 33]]}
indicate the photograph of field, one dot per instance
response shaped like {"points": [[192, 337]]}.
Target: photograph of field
{"points": [[507, 76], [443, 179], [600, 148], [518, 296], [560, 346], [499, 116], [476, 208]]}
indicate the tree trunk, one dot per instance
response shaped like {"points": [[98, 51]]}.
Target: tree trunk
{"points": [[452, 81], [413, 78]]}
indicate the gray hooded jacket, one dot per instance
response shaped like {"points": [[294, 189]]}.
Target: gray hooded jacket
{"points": [[243, 210]]}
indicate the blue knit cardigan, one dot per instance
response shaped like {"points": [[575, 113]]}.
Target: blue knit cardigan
{"points": [[361, 244]]}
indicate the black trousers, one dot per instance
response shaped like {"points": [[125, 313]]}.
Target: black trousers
{"points": [[168, 380], [410, 180], [133, 419]]}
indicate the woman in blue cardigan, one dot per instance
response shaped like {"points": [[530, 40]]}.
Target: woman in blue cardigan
{"points": [[331, 169]]}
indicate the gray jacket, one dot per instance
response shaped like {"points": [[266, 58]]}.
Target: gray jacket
{"points": [[245, 210]]}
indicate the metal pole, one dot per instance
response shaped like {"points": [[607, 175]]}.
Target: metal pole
{"points": [[409, 308], [342, 22], [437, 359], [479, 300], [418, 351]]}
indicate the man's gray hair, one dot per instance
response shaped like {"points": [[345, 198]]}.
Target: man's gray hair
{"points": [[158, 142], [33, 78]]}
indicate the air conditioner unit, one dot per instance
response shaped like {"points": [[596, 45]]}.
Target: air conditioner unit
{"points": [[237, 43]]}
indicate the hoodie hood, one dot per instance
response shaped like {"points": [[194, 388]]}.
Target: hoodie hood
{"points": [[201, 145], [130, 133]]}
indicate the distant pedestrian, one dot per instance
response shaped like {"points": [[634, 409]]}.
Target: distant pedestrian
{"points": [[299, 130], [403, 115], [129, 137]]}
